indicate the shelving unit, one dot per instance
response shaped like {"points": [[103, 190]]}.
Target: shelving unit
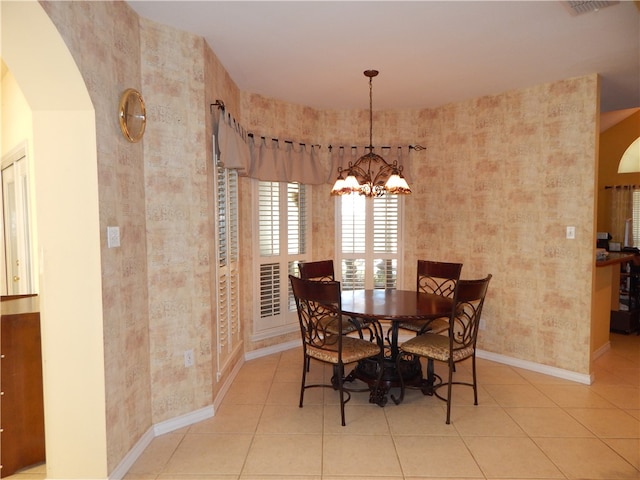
{"points": [[626, 318], [21, 400]]}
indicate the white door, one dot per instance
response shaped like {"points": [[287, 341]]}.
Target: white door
{"points": [[15, 212]]}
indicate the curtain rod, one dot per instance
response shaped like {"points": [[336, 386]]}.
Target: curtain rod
{"points": [[276, 140], [609, 187], [416, 147], [220, 105]]}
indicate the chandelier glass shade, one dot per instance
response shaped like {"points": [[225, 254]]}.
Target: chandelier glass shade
{"points": [[371, 175]]}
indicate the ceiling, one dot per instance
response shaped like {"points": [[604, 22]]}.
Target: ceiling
{"points": [[428, 53]]}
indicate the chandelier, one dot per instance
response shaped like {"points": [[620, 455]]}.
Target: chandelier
{"points": [[371, 175]]}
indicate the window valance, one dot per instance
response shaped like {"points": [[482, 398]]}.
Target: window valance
{"points": [[271, 159]]}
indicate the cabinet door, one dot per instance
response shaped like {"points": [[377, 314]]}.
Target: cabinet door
{"points": [[21, 410]]}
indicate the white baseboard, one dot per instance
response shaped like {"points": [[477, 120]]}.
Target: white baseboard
{"points": [[536, 367], [263, 352], [227, 384], [207, 412], [154, 431], [130, 458], [183, 420], [171, 425], [495, 357], [601, 351]]}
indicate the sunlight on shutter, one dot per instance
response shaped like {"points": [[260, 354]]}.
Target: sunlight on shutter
{"points": [[269, 289], [269, 218], [223, 313], [296, 218], [369, 241], [292, 270], [353, 273], [233, 216], [636, 218], [222, 216], [385, 273], [353, 224], [281, 241], [226, 262], [385, 224]]}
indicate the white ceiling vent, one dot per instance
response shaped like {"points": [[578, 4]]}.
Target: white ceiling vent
{"points": [[583, 6]]}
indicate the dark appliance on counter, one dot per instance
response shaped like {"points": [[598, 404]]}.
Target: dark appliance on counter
{"points": [[602, 240]]}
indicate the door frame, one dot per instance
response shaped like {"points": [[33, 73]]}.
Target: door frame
{"points": [[18, 158]]}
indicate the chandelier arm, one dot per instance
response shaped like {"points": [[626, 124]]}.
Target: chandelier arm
{"points": [[384, 172], [358, 171]]}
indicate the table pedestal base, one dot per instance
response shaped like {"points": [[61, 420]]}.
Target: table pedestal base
{"points": [[411, 371]]}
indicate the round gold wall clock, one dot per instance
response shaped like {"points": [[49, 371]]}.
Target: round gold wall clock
{"points": [[133, 115]]}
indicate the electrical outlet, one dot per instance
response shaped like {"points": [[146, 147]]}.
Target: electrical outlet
{"points": [[483, 324], [571, 232], [113, 237], [188, 358]]}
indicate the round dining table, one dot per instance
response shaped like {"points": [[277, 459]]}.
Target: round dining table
{"points": [[382, 306]]}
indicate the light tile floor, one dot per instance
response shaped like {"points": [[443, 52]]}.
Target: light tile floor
{"points": [[526, 426]]}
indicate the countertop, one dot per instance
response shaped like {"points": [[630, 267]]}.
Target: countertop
{"points": [[19, 305], [615, 257]]}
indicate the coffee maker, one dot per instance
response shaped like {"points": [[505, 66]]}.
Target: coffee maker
{"points": [[602, 240]]}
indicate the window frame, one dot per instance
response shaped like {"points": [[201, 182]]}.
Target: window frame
{"points": [[369, 255], [228, 326], [285, 320]]}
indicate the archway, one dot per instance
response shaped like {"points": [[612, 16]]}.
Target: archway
{"points": [[68, 237]]}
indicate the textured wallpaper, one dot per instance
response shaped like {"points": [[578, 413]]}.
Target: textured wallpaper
{"points": [[103, 38], [499, 181]]}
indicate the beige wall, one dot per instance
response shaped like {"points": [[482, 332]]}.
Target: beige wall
{"points": [[501, 178], [16, 115]]}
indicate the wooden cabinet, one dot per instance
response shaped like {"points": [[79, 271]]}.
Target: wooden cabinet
{"points": [[21, 401]]}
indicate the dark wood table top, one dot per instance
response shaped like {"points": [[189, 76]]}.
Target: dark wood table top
{"points": [[394, 304]]}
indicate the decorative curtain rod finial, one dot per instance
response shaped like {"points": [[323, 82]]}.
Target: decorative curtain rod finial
{"points": [[219, 104]]}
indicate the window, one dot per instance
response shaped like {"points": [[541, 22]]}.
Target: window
{"points": [[636, 218], [226, 238], [368, 240], [282, 240]]}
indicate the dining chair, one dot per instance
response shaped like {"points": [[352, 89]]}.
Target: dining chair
{"points": [[438, 278], [318, 270], [323, 270], [459, 345], [319, 308]]}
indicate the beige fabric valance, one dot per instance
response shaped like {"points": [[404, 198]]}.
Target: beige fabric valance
{"points": [[279, 161], [285, 161], [232, 144], [269, 159]]}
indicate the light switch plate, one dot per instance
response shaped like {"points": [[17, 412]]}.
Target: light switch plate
{"points": [[113, 237]]}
